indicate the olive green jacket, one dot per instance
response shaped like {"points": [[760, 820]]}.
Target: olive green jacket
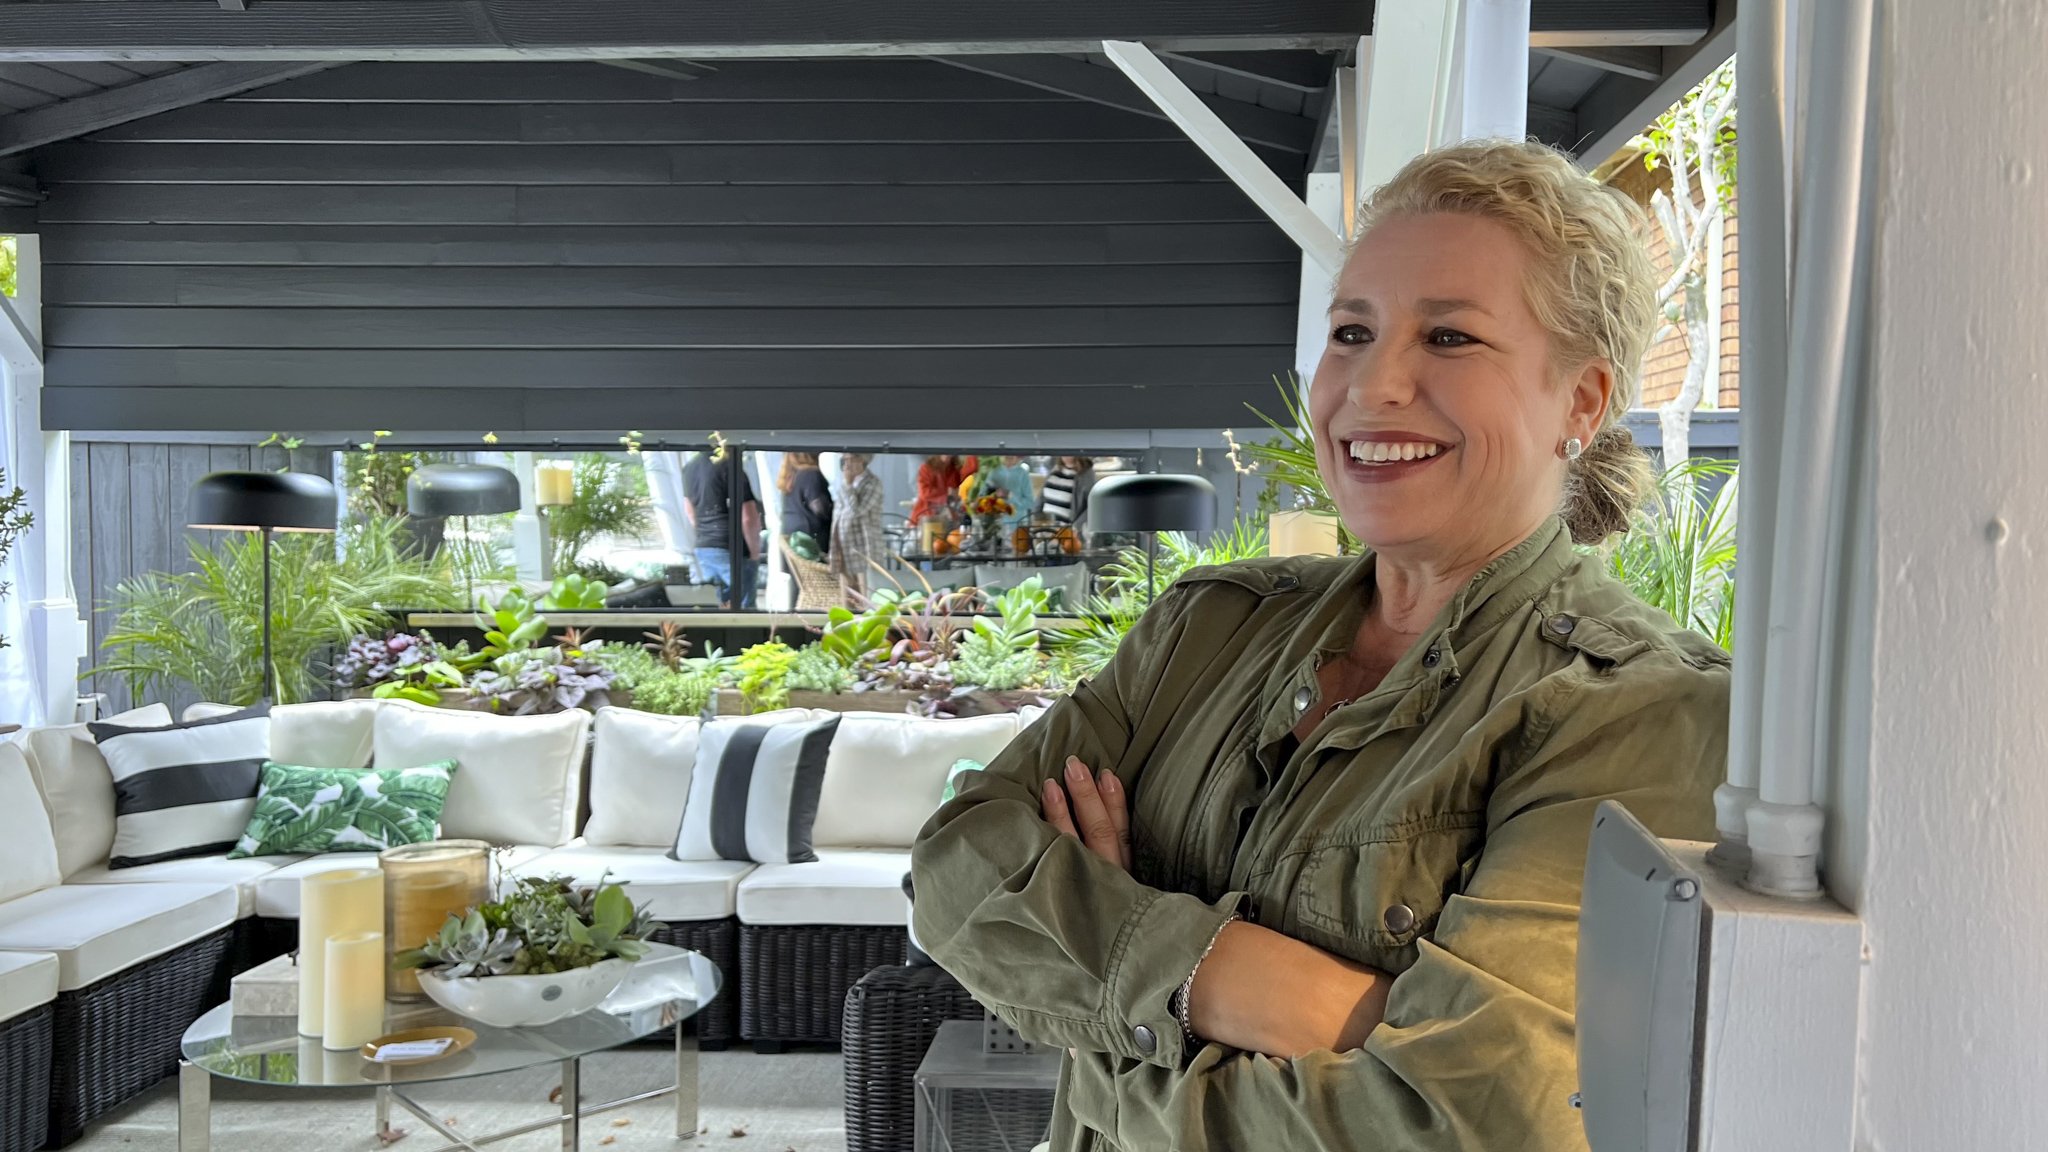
{"points": [[1435, 829]]}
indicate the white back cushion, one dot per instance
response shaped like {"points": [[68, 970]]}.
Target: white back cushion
{"points": [[639, 777], [518, 779], [316, 734], [640, 773], [25, 836], [78, 787], [886, 773]]}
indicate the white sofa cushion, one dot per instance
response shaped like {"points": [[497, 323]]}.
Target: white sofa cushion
{"points": [[78, 787], [277, 893], [842, 886], [887, 772], [316, 734], [27, 980], [519, 778], [96, 930], [242, 874], [670, 890], [26, 840], [640, 777]]}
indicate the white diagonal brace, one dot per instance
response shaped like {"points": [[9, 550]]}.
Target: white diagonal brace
{"points": [[1231, 154], [18, 345], [70, 118]]}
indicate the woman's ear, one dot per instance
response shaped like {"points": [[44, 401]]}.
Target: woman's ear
{"points": [[1591, 391]]}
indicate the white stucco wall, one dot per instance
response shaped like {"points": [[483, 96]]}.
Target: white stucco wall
{"points": [[1955, 1028]]}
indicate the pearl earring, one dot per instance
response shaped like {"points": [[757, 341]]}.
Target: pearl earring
{"points": [[1574, 448]]}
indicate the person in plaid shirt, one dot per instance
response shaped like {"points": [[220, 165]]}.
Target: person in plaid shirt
{"points": [[857, 523]]}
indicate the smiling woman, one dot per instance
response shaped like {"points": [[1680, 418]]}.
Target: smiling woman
{"points": [[1368, 781]]}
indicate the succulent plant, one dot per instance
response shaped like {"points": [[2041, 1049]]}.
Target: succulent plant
{"points": [[465, 946], [544, 925], [668, 645]]}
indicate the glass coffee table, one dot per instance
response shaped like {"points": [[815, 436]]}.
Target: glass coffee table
{"points": [[666, 988]]}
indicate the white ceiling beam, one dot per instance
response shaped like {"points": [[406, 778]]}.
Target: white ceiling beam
{"points": [[68, 119], [1231, 154], [1640, 61]]}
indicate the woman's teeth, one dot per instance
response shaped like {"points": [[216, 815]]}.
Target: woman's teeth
{"points": [[1383, 452]]}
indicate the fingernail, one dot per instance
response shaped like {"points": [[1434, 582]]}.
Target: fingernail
{"points": [[1107, 781], [1075, 771]]}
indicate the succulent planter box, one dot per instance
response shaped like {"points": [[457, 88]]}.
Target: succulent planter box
{"points": [[460, 698], [730, 702]]}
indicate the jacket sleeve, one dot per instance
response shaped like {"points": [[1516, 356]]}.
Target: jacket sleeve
{"points": [[1478, 1046], [1067, 947]]}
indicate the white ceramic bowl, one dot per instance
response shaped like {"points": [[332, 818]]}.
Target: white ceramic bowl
{"points": [[526, 1001]]}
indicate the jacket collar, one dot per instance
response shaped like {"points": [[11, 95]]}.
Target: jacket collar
{"points": [[1430, 667]]}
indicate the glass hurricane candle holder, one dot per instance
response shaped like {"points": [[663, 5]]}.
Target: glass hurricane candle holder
{"points": [[424, 884]]}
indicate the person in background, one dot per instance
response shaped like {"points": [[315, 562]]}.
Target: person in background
{"points": [[806, 498], [708, 501], [1066, 492], [857, 523], [938, 482], [1013, 479]]}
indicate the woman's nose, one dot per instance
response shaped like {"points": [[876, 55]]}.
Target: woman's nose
{"points": [[1379, 380]]}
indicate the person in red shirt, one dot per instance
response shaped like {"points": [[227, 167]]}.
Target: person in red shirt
{"points": [[938, 484]]}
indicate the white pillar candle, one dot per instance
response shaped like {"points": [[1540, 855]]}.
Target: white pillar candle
{"points": [[338, 903], [354, 1008], [1302, 533]]}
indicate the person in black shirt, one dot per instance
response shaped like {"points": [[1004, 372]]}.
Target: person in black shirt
{"points": [[806, 498], [708, 501]]}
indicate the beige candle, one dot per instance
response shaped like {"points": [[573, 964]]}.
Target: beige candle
{"points": [[338, 903], [554, 484], [1302, 533], [354, 1000]]}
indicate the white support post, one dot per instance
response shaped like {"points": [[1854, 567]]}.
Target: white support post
{"points": [[1493, 59], [1407, 88], [1317, 284], [529, 532], [1231, 154], [55, 639]]}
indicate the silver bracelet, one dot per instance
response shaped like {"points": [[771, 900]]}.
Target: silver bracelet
{"points": [[1188, 1038]]}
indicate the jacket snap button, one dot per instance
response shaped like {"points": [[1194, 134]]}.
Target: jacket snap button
{"points": [[1302, 698], [1285, 583], [1147, 1042], [1399, 918], [1563, 625], [1431, 657]]}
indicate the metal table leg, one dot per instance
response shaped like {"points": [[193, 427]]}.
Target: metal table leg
{"points": [[384, 1113], [572, 1105], [686, 1083], [195, 1108]]}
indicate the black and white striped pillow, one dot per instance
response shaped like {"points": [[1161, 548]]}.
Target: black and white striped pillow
{"points": [[754, 791], [185, 790]]}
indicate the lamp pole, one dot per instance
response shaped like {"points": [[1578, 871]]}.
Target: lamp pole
{"points": [[268, 674]]}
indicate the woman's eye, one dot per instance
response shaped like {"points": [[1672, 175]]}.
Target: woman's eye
{"points": [[1351, 334], [1449, 338]]}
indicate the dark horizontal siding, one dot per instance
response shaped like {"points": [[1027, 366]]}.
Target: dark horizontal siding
{"points": [[852, 244]]}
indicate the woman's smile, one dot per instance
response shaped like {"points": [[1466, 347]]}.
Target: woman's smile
{"points": [[1378, 459]]}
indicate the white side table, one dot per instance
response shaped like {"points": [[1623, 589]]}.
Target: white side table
{"points": [[969, 1100]]}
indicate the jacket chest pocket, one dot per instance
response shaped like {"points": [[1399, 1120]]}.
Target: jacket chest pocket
{"points": [[1371, 899]]}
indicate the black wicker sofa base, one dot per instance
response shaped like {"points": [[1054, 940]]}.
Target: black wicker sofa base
{"points": [[892, 1016], [794, 977], [115, 1039], [25, 1079]]}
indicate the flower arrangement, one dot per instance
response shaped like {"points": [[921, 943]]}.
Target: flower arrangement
{"points": [[992, 505]]}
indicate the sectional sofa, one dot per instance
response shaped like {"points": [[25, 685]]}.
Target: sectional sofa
{"points": [[102, 968]]}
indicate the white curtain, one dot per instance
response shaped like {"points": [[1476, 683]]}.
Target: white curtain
{"points": [[21, 687]]}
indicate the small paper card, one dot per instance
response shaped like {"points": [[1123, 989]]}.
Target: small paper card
{"points": [[413, 1049]]}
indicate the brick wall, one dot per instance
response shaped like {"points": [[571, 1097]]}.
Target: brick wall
{"points": [[1664, 367]]}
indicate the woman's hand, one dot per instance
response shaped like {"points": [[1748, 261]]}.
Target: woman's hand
{"points": [[1092, 808]]}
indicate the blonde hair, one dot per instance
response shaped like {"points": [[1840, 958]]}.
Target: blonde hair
{"points": [[1590, 284], [792, 463]]}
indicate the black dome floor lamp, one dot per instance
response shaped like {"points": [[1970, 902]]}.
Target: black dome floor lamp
{"points": [[462, 490], [1151, 503], [263, 502]]}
